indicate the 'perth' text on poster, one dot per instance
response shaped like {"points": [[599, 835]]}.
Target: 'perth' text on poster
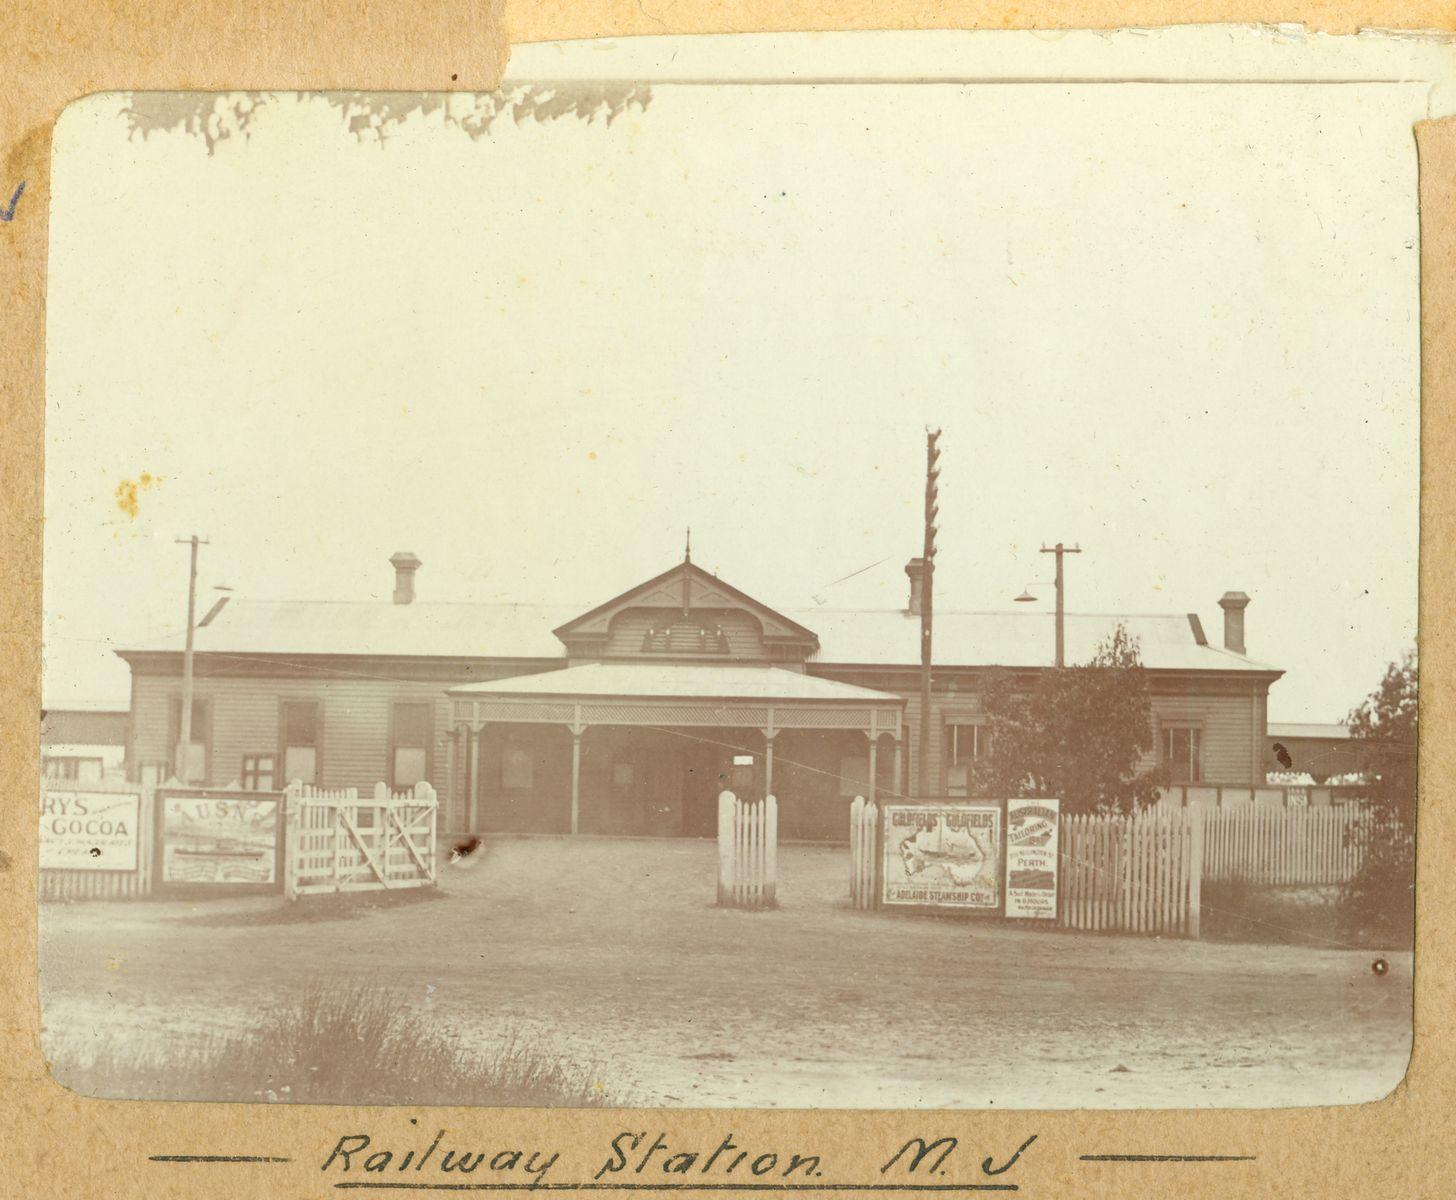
{"points": [[1031, 858]]}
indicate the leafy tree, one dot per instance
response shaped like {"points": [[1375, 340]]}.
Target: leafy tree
{"points": [[1078, 734], [1384, 730]]}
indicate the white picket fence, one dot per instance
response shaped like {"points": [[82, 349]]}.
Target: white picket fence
{"points": [[864, 823], [748, 851], [1280, 847], [1144, 873], [336, 842], [1139, 874]]}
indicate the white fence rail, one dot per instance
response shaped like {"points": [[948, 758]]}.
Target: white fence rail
{"points": [[1281, 847], [336, 842], [1269, 795], [748, 848]]}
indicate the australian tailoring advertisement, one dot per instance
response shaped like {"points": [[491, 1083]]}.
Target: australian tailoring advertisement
{"points": [[1031, 857], [947, 855]]}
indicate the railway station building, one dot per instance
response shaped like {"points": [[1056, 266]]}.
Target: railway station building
{"points": [[631, 716]]}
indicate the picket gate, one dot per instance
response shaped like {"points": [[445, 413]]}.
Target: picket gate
{"points": [[864, 827], [748, 844], [336, 842]]}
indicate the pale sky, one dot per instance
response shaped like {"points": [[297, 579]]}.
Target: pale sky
{"points": [[1176, 324]]}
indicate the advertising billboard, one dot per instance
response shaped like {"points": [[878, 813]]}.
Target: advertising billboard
{"points": [[88, 830], [1032, 828], [211, 838], [943, 854]]}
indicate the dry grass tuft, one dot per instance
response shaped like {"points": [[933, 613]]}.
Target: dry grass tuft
{"points": [[338, 1045]]}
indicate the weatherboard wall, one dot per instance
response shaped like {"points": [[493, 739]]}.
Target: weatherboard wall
{"points": [[356, 708]]}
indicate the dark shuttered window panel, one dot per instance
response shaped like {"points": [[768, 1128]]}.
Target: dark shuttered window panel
{"points": [[301, 724], [413, 729]]}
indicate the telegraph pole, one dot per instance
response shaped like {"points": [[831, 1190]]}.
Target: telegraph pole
{"points": [[927, 615], [184, 731], [1059, 550]]}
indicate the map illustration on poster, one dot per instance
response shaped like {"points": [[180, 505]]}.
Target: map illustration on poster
{"points": [[88, 831], [215, 839], [944, 855], [1032, 827]]}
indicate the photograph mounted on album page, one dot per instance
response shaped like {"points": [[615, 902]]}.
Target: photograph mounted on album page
{"points": [[745, 572]]}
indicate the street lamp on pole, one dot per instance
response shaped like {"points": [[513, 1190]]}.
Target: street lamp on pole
{"points": [[1060, 584]]}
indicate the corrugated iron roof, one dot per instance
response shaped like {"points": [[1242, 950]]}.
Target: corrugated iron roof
{"points": [[889, 637], [421, 629], [1011, 639], [676, 681]]}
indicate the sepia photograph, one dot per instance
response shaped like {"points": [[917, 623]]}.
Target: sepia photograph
{"points": [[846, 571]]}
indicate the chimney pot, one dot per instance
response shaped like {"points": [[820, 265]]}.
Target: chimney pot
{"points": [[405, 565], [915, 568], [1233, 605]]}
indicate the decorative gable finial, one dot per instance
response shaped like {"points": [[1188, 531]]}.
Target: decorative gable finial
{"points": [[687, 602], [687, 575]]}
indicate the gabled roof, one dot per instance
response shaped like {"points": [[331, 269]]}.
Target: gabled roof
{"points": [[675, 681], [702, 590]]}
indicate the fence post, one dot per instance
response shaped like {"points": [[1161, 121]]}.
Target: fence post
{"points": [[147, 839], [1195, 875], [292, 818], [425, 794], [771, 851], [725, 846]]}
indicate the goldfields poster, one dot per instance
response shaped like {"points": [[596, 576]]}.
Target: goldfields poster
{"points": [[1032, 827], [943, 855]]}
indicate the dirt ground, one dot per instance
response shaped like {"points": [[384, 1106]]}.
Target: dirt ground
{"points": [[613, 951]]}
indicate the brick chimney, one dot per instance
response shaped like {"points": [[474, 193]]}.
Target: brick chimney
{"points": [[405, 565], [1233, 605], [915, 568]]}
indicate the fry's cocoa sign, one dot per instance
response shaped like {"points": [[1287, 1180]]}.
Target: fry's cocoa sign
{"points": [[88, 831]]}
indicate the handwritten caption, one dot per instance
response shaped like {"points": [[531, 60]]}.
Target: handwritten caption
{"points": [[650, 1159]]}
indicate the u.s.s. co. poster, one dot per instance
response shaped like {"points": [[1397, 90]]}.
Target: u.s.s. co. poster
{"points": [[945, 855], [209, 839], [1031, 857]]}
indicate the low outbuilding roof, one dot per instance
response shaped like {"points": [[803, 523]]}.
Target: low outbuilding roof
{"points": [[1298, 729]]}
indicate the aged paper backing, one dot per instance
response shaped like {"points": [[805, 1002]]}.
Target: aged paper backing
{"points": [[71, 1146]]}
